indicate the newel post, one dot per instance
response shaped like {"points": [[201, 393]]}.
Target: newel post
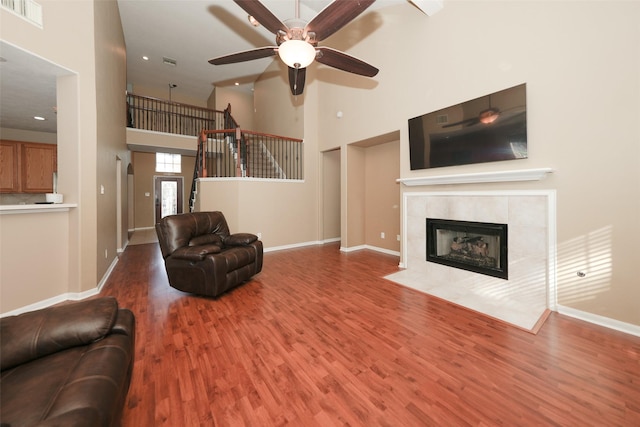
{"points": [[239, 148], [203, 154]]}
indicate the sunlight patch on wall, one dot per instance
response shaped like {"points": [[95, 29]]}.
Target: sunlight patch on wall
{"points": [[585, 266]]}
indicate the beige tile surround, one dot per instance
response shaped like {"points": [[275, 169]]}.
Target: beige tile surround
{"points": [[523, 299]]}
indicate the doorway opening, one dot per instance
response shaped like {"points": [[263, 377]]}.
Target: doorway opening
{"points": [[169, 192]]}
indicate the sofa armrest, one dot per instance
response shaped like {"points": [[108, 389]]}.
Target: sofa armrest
{"points": [[240, 239], [125, 323], [35, 334], [195, 253]]}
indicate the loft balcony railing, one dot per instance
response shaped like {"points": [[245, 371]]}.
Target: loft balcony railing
{"points": [[243, 153], [147, 113], [223, 149]]}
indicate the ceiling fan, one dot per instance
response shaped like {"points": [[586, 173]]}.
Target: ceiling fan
{"points": [[297, 40], [486, 117]]}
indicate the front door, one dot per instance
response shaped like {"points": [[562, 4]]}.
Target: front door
{"points": [[169, 190]]}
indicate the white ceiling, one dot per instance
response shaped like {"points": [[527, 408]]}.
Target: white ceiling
{"points": [[27, 89], [188, 31]]}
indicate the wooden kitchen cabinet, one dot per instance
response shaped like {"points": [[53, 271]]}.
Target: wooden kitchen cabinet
{"points": [[27, 167], [9, 168]]}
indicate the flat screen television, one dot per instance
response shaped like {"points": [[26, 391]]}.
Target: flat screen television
{"points": [[486, 129]]}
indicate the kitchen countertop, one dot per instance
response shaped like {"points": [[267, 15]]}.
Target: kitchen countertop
{"points": [[36, 208]]}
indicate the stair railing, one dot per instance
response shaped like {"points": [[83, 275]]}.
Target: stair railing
{"points": [[248, 154]]}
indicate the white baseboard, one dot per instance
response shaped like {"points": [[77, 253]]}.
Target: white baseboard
{"points": [[293, 246], [371, 248], [617, 325], [67, 296]]}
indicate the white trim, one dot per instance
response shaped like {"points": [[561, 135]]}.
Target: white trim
{"points": [[293, 246], [36, 208], [478, 177], [332, 240], [67, 296], [248, 179], [352, 248], [106, 275], [143, 228], [371, 248], [596, 319]]}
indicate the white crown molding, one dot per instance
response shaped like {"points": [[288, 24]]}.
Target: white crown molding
{"points": [[479, 177]]}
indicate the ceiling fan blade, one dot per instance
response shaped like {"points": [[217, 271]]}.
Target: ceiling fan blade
{"points": [[335, 16], [247, 55], [467, 122], [262, 15], [296, 79], [342, 61]]}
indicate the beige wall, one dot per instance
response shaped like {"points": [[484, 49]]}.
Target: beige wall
{"points": [[284, 212], [276, 110], [331, 194], [69, 39], [144, 173], [382, 195], [583, 109], [353, 197], [28, 136], [163, 93], [241, 105], [111, 81], [33, 269]]}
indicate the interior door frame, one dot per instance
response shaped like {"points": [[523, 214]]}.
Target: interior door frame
{"points": [[157, 184]]}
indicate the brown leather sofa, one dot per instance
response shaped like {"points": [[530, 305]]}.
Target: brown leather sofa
{"points": [[202, 257], [67, 365]]}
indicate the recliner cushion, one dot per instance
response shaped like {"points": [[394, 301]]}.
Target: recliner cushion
{"points": [[206, 239], [195, 253]]}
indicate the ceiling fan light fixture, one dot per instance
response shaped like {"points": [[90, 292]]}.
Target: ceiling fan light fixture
{"points": [[297, 53], [489, 116]]}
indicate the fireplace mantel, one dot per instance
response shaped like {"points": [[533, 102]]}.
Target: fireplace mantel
{"points": [[478, 177]]}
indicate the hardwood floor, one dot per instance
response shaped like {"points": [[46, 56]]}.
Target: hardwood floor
{"points": [[319, 338]]}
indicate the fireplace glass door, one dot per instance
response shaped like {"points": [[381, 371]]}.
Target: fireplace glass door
{"points": [[473, 246]]}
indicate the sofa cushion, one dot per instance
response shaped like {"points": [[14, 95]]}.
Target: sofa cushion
{"points": [[80, 386], [206, 239], [42, 332], [195, 253], [240, 239]]}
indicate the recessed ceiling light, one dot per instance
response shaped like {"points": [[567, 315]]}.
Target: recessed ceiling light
{"points": [[39, 118], [237, 84], [146, 58]]}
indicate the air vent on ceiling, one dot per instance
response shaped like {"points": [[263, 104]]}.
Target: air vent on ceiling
{"points": [[28, 9], [169, 61]]}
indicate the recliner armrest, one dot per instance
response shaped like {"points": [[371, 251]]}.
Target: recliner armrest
{"points": [[240, 239], [35, 334]]}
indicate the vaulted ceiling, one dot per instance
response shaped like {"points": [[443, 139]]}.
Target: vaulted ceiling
{"points": [[189, 32]]}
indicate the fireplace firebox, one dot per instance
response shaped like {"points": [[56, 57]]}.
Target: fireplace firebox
{"points": [[474, 246]]}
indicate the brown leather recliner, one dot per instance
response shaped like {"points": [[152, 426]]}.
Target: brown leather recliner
{"points": [[202, 257], [67, 365]]}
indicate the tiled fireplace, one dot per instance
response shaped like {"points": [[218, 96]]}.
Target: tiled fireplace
{"points": [[469, 245], [522, 291]]}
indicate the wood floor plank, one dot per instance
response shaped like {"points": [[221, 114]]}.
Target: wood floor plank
{"points": [[320, 338]]}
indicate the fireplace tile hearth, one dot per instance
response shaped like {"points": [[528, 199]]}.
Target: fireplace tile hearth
{"points": [[523, 299]]}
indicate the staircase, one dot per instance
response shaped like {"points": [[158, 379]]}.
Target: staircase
{"points": [[237, 153], [260, 163]]}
